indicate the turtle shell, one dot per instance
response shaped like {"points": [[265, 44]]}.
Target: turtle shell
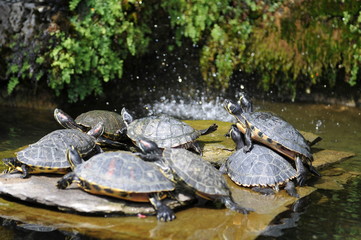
{"points": [[49, 153], [164, 130], [119, 174], [112, 122], [196, 172], [259, 167], [275, 132]]}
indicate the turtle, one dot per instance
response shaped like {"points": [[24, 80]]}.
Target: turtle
{"points": [[262, 169], [48, 154], [190, 172], [112, 121], [122, 175], [165, 131], [274, 132]]}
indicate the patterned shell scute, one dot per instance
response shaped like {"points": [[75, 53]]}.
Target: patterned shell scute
{"points": [[196, 172], [123, 171], [259, 167], [112, 121], [280, 131], [50, 150], [166, 131]]}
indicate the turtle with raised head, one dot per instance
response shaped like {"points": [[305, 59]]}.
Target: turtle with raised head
{"points": [[112, 121], [48, 155], [121, 175], [189, 171], [165, 131], [261, 168], [274, 132]]}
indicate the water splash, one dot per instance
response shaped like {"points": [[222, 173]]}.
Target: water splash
{"points": [[201, 109]]}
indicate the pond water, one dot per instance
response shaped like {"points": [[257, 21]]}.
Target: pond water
{"points": [[325, 214]]}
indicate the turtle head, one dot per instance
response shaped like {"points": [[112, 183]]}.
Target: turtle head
{"points": [[11, 163], [73, 157], [64, 119], [127, 117], [232, 107], [236, 136], [148, 146], [97, 130], [246, 104]]}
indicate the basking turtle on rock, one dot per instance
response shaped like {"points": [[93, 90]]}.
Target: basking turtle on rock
{"points": [[165, 131], [112, 121], [48, 154], [261, 168], [121, 175], [274, 132], [190, 172]]}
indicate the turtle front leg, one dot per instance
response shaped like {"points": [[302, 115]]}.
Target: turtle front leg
{"points": [[164, 213], [301, 171], [195, 146], [230, 204], [209, 130], [25, 170], [98, 149], [291, 189], [66, 180]]}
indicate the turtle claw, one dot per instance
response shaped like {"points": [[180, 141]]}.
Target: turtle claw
{"points": [[264, 191], [301, 179], [246, 149], [244, 210], [291, 190], [165, 214], [230, 204], [235, 207]]}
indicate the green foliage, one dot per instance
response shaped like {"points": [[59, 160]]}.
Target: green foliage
{"points": [[23, 64], [93, 52], [290, 44], [223, 25]]}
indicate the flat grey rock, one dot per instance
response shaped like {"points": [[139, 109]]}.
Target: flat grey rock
{"points": [[43, 190]]}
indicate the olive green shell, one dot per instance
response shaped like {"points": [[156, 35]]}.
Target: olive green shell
{"points": [[259, 167], [122, 172], [196, 172], [277, 132], [112, 122], [50, 150], [164, 130]]}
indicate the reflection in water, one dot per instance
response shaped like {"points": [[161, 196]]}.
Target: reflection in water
{"points": [[20, 126], [286, 220], [335, 216]]}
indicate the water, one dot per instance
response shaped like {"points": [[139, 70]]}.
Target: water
{"points": [[327, 214]]}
